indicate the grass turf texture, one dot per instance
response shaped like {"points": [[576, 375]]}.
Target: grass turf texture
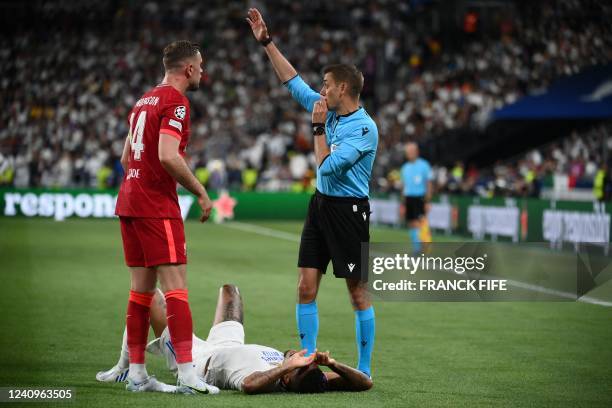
{"points": [[63, 299]]}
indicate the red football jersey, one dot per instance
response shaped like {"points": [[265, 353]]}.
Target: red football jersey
{"points": [[147, 190]]}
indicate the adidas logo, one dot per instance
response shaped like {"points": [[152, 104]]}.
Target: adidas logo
{"points": [[351, 266]]}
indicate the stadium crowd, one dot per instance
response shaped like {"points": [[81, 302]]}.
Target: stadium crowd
{"points": [[66, 89], [578, 161]]}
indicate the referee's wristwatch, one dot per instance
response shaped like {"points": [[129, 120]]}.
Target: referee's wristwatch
{"points": [[318, 129]]}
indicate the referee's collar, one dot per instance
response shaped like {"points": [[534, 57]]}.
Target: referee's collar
{"points": [[346, 115]]}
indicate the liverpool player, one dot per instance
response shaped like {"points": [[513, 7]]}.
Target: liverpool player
{"points": [[150, 217]]}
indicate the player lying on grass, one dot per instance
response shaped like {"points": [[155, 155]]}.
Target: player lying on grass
{"points": [[224, 361]]}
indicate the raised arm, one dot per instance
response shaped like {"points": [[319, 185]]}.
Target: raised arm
{"points": [[283, 68], [300, 91], [342, 377]]}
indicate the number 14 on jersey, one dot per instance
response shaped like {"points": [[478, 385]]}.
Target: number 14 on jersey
{"points": [[136, 133]]}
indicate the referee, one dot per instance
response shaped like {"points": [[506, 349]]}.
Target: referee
{"points": [[345, 142], [416, 176]]}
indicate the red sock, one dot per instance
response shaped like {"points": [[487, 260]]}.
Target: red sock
{"points": [[137, 321], [179, 324]]}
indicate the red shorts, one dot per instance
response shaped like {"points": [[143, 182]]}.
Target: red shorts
{"points": [[150, 242]]}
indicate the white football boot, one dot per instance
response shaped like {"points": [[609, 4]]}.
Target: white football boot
{"points": [[200, 387], [115, 374], [149, 384]]}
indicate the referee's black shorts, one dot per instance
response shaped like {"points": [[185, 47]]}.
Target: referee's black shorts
{"points": [[334, 229], [415, 208]]}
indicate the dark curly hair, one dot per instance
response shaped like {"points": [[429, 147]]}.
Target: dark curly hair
{"points": [[309, 380]]}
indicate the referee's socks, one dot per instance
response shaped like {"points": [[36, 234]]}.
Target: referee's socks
{"points": [[307, 317], [365, 328]]}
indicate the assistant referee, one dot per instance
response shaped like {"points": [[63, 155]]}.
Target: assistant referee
{"points": [[417, 179], [345, 142]]}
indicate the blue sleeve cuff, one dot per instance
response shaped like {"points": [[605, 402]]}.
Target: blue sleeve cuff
{"points": [[286, 83], [326, 168], [323, 161]]}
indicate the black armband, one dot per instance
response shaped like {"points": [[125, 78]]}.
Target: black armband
{"points": [[266, 41]]}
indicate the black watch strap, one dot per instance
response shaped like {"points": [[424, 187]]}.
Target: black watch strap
{"points": [[318, 129], [266, 41]]}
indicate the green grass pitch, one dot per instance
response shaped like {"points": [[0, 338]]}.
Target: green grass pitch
{"points": [[63, 297]]}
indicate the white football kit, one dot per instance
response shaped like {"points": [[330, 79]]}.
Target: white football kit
{"points": [[231, 361]]}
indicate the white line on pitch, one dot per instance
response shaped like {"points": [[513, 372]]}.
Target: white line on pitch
{"points": [[269, 232], [567, 295]]}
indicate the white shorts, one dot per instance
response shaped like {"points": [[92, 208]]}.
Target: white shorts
{"points": [[225, 334]]}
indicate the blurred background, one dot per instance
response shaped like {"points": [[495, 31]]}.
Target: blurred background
{"points": [[447, 74]]}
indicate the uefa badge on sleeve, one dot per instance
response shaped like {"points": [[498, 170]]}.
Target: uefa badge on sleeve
{"points": [[180, 112]]}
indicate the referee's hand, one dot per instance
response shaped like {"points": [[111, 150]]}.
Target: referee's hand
{"points": [[319, 112], [255, 20]]}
